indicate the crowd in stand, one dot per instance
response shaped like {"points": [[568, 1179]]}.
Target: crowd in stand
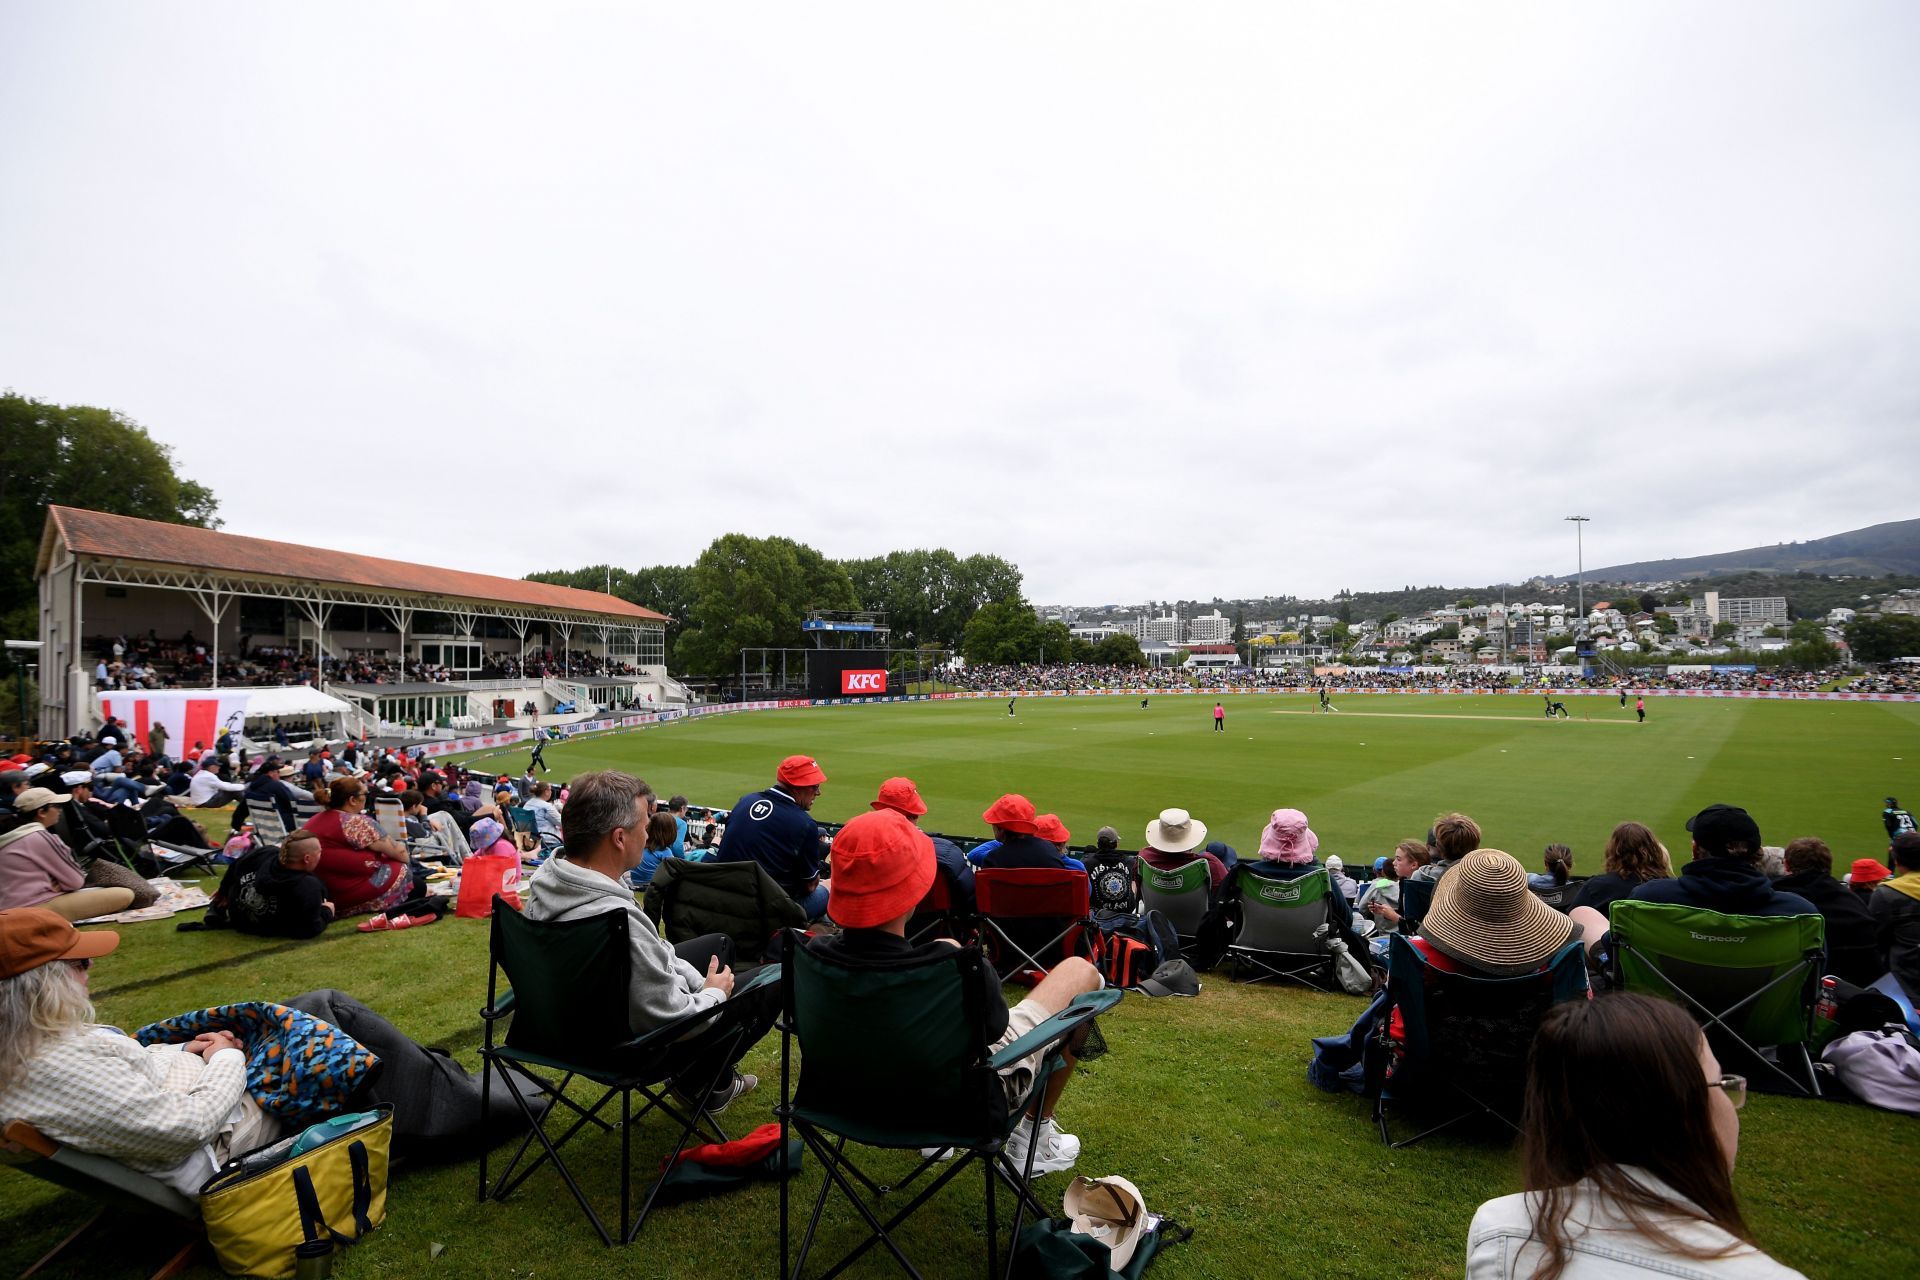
{"points": [[148, 662], [1037, 677]]}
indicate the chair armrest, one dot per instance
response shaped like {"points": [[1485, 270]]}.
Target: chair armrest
{"points": [[24, 1136], [764, 976], [1058, 1027], [688, 1022], [501, 1008]]}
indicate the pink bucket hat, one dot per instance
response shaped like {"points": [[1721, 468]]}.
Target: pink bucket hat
{"points": [[1288, 838]]}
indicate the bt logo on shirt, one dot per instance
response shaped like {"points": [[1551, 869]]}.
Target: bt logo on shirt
{"points": [[863, 682]]}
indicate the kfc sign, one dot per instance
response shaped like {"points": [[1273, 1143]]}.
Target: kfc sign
{"points": [[863, 682]]}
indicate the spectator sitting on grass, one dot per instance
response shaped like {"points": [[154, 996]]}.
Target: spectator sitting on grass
{"points": [[1453, 837], [274, 893], [37, 869], [1628, 1143], [1558, 861], [1852, 955], [1896, 913], [365, 871], [1634, 856]]}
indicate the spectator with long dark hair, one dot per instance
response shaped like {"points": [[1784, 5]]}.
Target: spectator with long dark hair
{"points": [[1629, 1136], [1634, 855]]}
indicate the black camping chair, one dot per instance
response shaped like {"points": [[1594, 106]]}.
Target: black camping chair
{"points": [[739, 899], [1464, 1038], [1415, 897], [131, 833], [567, 1002], [898, 1059]]}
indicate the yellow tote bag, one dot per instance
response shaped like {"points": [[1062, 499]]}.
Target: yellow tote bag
{"points": [[267, 1205]]}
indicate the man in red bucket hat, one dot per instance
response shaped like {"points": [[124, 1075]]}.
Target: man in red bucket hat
{"points": [[903, 797], [882, 865], [1015, 827], [773, 828]]}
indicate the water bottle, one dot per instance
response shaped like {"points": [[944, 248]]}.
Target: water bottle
{"points": [[313, 1260], [1827, 1007]]}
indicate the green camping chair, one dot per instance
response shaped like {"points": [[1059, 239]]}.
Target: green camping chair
{"points": [[567, 1002], [898, 1059], [1283, 929], [1751, 981], [1183, 895], [1464, 1038], [114, 1186]]}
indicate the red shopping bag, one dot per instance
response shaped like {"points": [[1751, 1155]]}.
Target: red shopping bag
{"points": [[482, 876]]}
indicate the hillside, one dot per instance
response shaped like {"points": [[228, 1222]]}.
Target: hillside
{"points": [[1871, 552]]}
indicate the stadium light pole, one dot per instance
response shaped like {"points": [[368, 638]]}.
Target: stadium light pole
{"points": [[1580, 563]]}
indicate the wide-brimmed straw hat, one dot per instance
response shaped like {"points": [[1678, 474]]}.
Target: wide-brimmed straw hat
{"points": [[1176, 831], [1484, 915]]}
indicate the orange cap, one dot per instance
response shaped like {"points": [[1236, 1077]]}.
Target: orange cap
{"points": [[1049, 828], [882, 868], [33, 936]]}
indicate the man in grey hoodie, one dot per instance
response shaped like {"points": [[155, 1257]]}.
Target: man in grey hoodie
{"points": [[604, 828]]}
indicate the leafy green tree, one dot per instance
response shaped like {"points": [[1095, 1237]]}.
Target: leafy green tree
{"points": [[1665, 625], [1884, 638], [77, 456], [1121, 650], [1722, 630], [754, 593], [1005, 631]]}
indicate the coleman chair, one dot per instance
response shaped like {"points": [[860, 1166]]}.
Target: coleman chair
{"points": [[1183, 895], [1464, 1038], [897, 1059], [1033, 917], [739, 899], [1750, 981], [1560, 897], [115, 1187], [267, 825], [1283, 928], [566, 1014]]}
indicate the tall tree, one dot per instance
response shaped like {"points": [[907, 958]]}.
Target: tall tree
{"points": [[1004, 631], [754, 593], [78, 456], [1884, 638]]}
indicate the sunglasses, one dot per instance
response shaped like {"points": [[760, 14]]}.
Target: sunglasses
{"points": [[82, 965], [1735, 1087]]}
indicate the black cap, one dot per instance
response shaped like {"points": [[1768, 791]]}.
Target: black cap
{"points": [[1717, 826], [272, 762]]}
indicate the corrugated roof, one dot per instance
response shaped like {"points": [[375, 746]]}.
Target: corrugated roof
{"points": [[95, 533]]}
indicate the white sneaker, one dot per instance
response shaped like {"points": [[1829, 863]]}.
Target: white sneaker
{"points": [[1054, 1152]]}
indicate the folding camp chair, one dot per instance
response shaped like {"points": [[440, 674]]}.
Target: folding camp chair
{"points": [[1183, 895], [1415, 897], [898, 1059], [1751, 981], [1561, 896], [129, 829], [1032, 917], [729, 893], [267, 826], [1283, 928], [1464, 1038], [567, 1001], [391, 815], [113, 1185], [938, 916]]}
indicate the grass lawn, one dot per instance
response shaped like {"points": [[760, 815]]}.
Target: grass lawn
{"points": [[1203, 1103]]}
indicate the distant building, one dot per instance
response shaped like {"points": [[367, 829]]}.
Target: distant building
{"points": [[1209, 629], [1712, 608]]}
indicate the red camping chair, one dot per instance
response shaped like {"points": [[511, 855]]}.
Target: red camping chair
{"points": [[1033, 917], [938, 916]]}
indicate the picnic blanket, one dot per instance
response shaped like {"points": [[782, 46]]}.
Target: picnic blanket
{"points": [[298, 1067], [175, 896]]}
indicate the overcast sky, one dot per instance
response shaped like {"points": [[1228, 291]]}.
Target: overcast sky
{"points": [[1155, 301]]}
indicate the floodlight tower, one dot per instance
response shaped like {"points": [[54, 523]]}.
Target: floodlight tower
{"points": [[1580, 565]]}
